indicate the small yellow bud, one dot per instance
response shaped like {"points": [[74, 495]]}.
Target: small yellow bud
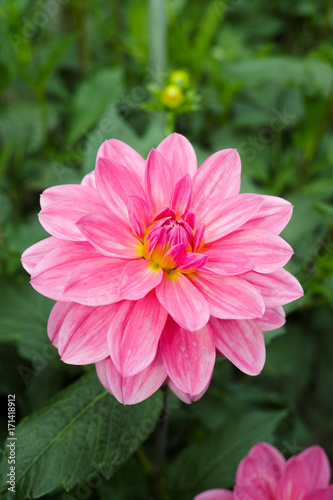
{"points": [[180, 77], [172, 96]]}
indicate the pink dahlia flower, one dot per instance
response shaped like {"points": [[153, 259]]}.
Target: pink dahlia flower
{"points": [[156, 266], [265, 475]]}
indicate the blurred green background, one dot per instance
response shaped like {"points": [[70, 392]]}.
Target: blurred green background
{"points": [[74, 73]]}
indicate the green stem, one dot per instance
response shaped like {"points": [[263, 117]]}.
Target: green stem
{"points": [[159, 482], [157, 43], [170, 123]]}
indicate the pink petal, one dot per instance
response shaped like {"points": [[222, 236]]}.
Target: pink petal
{"points": [[267, 251], [189, 357], [138, 278], [34, 254], [134, 334], [110, 236], [183, 301], [273, 318], [63, 206], [95, 282], [229, 297], [119, 152], [49, 277], [319, 469], [273, 215], [215, 495], [180, 155], [157, 182], [247, 493], [228, 263], [173, 256], [190, 262], [217, 178], [261, 469], [228, 215], [242, 342], [181, 196], [89, 180], [321, 494], [131, 390], [277, 288], [139, 215], [294, 482], [56, 319], [198, 237], [116, 183], [185, 396], [81, 336]]}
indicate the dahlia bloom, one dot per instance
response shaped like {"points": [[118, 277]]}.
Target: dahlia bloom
{"points": [[265, 475], [156, 267]]}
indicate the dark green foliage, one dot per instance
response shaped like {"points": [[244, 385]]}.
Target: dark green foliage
{"points": [[76, 73]]}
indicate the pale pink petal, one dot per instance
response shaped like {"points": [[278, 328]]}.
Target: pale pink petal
{"points": [[242, 342], [134, 334], [95, 282], [229, 297], [261, 469], [63, 206], [273, 215], [157, 182], [89, 180], [49, 277], [57, 316], [180, 155], [183, 301], [228, 215], [277, 288], [185, 396], [215, 495], [34, 254], [228, 263], [139, 215], [131, 390], [267, 251], [138, 278], [116, 183], [181, 196], [120, 152], [318, 466], [217, 178], [294, 482], [189, 357], [110, 236], [190, 262], [82, 335], [273, 318]]}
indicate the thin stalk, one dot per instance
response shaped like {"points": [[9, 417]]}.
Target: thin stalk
{"points": [[158, 481], [157, 43]]}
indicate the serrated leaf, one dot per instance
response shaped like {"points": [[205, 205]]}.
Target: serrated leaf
{"points": [[82, 430], [212, 463]]}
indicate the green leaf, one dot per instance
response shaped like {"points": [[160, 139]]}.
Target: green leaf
{"points": [[212, 463], [91, 99], [83, 430], [23, 317]]}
